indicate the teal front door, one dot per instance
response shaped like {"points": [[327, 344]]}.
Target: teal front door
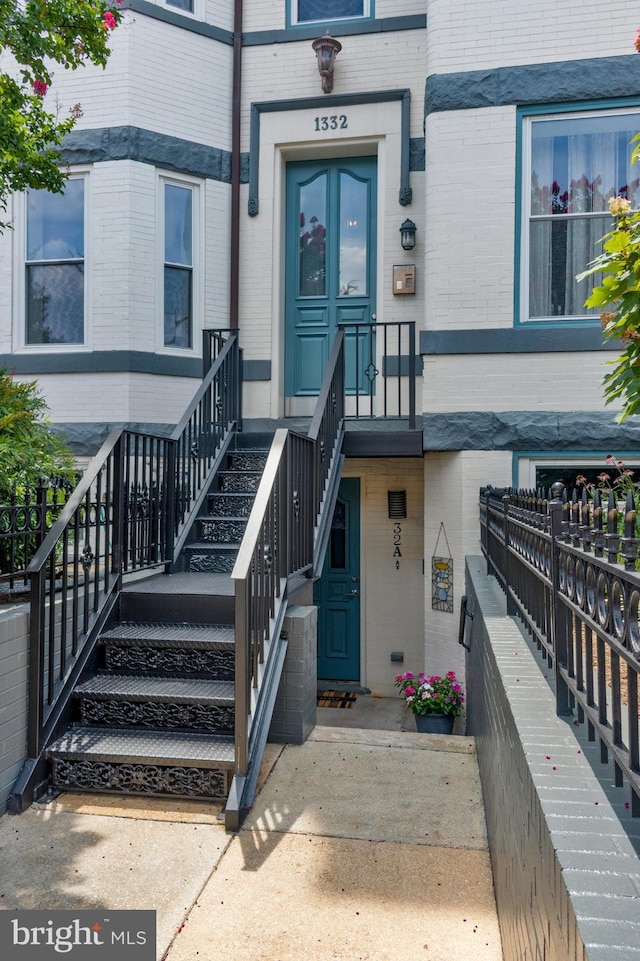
{"points": [[330, 264], [337, 593]]}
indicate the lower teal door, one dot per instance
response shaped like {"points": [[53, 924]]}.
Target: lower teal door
{"points": [[337, 593]]}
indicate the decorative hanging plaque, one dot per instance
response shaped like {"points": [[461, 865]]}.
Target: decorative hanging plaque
{"points": [[442, 577]]}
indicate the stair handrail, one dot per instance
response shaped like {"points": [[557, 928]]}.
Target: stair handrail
{"points": [[278, 546], [121, 518], [202, 435]]}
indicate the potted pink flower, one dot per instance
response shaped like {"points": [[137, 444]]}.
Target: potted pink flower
{"points": [[435, 701]]}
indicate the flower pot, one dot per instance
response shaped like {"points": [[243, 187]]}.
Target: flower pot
{"points": [[434, 723]]}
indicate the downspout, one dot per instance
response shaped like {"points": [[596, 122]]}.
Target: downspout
{"points": [[234, 276]]}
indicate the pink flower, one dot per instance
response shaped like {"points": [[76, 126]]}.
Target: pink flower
{"points": [[39, 88], [636, 42], [409, 691], [109, 21]]}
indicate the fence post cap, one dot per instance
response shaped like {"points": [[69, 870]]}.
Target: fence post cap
{"points": [[557, 490]]}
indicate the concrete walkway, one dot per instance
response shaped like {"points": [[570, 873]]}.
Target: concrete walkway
{"points": [[362, 844]]}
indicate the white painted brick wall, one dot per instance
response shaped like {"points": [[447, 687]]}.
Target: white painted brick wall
{"points": [[139, 87], [470, 35], [470, 191], [451, 485], [550, 381], [367, 62], [115, 397], [391, 600], [265, 15]]}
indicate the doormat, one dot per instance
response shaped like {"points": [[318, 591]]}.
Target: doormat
{"points": [[336, 698]]}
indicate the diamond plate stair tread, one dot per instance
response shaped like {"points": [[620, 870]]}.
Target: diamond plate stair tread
{"points": [[188, 583], [144, 747], [133, 633], [176, 690], [206, 547]]}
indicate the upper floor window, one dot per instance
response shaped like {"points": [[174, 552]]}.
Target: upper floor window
{"points": [[178, 266], [181, 4], [313, 11], [574, 164], [55, 265]]}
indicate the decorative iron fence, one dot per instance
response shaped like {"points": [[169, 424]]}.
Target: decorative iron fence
{"points": [[24, 521], [569, 571], [372, 348]]}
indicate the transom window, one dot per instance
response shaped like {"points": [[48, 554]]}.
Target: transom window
{"points": [[55, 266], [178, 266], [574, 164], [313, 11]]}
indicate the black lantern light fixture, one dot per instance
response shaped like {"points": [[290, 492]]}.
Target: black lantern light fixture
{"points": [[326, 50], [408, 235]]}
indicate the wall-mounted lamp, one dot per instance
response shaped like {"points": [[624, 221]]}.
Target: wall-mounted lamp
{"points": [[397, 503], [326, 49], [408, 235]]}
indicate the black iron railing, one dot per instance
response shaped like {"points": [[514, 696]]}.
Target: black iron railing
{"points": [[380, 370], [280, 544], [198, 439], [25, 518], [570, 574], [130, 512]]}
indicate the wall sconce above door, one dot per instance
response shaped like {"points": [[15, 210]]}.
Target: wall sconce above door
{"points": [[408, 235], [326, 49]]}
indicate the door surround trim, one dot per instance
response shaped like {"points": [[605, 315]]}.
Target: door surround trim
{"points": [[326, 103]]}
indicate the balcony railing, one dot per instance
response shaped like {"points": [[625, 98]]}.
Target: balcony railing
{"points": [[380, 370]]}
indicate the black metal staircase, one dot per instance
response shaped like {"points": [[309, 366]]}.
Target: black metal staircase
{"points": [[157, 715], [165, 683]]}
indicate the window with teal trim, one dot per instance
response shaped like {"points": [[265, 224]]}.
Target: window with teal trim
{"points": [[318, 11], [574, 164], [186, 5]]}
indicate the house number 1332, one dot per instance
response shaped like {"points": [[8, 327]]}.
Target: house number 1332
{"points": [[332, 123]]}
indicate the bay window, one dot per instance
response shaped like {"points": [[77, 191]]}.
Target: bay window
{"points": [[574, 164], [54, 266]]}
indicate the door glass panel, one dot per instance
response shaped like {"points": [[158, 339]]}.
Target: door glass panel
{"points": [[338, 545], [313, 251], [353, 236]]}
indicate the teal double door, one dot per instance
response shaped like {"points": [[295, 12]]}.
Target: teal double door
{"points": [[337, 593], [330, 271]]}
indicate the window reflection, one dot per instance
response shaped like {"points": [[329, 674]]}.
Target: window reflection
{"points": [[313, 247], [353, 235]]}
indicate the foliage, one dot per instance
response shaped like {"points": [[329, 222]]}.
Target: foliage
{"points": [[621, 485], [29, 450], [618, 298], [431, 694], [39, 34]]}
